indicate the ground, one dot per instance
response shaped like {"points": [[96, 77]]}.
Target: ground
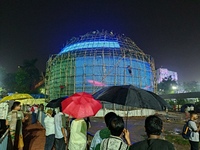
{"points": [[173, 124]]}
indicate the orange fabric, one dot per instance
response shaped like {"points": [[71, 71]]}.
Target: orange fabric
{"points": [[21, 142]]}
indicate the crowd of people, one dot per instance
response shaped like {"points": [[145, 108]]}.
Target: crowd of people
{"points": [[113, 137]]}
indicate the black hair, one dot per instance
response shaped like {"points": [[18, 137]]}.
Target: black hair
{"points": [[15, 104], [116, 126], [108, 117], [153, 125], [192, 113], [60, 108]]}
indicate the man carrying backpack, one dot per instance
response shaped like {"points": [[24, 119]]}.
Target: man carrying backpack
{"points": [[194, 136]]}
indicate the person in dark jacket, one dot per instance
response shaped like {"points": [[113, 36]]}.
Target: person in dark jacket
{"points": [[154, 128]]}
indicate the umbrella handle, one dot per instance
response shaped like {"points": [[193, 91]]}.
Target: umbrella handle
{"points": [[126, 117]]}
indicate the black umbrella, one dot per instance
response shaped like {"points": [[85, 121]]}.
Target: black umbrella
{"points": [[129, 95], [56, 102]]}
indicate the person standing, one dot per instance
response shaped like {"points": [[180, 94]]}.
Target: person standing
{"points": [[103, 133], [60, 131], [153, 128], [194, 136], [14, 120], [117, 130], [50, 130], [33, 115], [78, 135], [187, 114]]}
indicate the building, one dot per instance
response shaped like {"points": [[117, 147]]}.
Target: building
{"points": [[163, 73], [97, 59]]}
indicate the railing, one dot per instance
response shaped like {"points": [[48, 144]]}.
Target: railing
{"points": [[4, 141], [41, 116]]}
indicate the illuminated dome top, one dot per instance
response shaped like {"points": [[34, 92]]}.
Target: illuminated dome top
{"points": [[102, 41]]}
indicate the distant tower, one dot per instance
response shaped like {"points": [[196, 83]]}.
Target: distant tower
{"points": [[163, 73]]}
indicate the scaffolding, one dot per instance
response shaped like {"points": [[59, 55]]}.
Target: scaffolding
{"points": [[101, 57]]}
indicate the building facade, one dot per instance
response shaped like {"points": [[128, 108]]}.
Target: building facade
{"points": [[163, 73]]}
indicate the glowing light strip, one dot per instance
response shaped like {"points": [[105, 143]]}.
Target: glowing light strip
{"points": [[95, 44]]}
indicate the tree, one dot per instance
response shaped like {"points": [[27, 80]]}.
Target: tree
{"points": [[33, 72], [167, 85], [2, 76], [190, 86], [23, 81], [9, 82]]}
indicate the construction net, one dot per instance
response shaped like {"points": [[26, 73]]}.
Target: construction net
{"points": [[95, 60]]}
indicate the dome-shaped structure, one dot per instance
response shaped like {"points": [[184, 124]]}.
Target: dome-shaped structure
{"points": [[98, 59]]}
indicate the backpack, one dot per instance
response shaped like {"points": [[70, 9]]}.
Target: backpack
{"points": [[186, 131]]}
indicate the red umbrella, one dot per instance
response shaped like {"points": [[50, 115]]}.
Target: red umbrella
{"points": [[81, 105]]}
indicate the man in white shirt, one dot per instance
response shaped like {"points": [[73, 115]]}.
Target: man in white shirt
{"points": [[50, 130], [194, 136], [60, 131]]}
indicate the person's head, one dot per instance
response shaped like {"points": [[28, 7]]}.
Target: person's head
{"points": [[60, 108], [50, 112], [116, 126], [153, 125], [16, 106], [193, 115], [108, 117]]}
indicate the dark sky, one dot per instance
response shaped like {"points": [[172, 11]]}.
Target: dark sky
{"points": [[168, 30]]}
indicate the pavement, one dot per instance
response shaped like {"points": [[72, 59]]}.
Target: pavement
{"points": [[34, 137]]}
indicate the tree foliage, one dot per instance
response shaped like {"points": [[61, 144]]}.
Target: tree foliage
{"points": [[24, 80], [2, 76], [190, 86], [166, 86], [9, 82]]}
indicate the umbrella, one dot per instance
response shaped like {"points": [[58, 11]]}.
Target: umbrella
{"points": [[56, 102], [16, 96], [128, 95], [81, 105], [31, 101]]}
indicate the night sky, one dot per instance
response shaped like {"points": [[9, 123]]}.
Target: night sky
{"points": [[168, 30]]}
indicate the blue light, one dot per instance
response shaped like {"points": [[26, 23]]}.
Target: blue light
{"points": [[95, 44]]}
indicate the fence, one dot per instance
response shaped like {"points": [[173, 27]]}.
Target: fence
{"points": [[4, 141], [41, 116]]}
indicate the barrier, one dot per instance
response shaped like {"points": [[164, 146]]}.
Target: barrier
{"points": [[41, 116], [4, 141], [130, 113]]}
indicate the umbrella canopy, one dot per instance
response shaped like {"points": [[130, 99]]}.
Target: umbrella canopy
{"points": [[16, 96], [32, 101], [129, 95], [56, 102], [81, 105]]}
